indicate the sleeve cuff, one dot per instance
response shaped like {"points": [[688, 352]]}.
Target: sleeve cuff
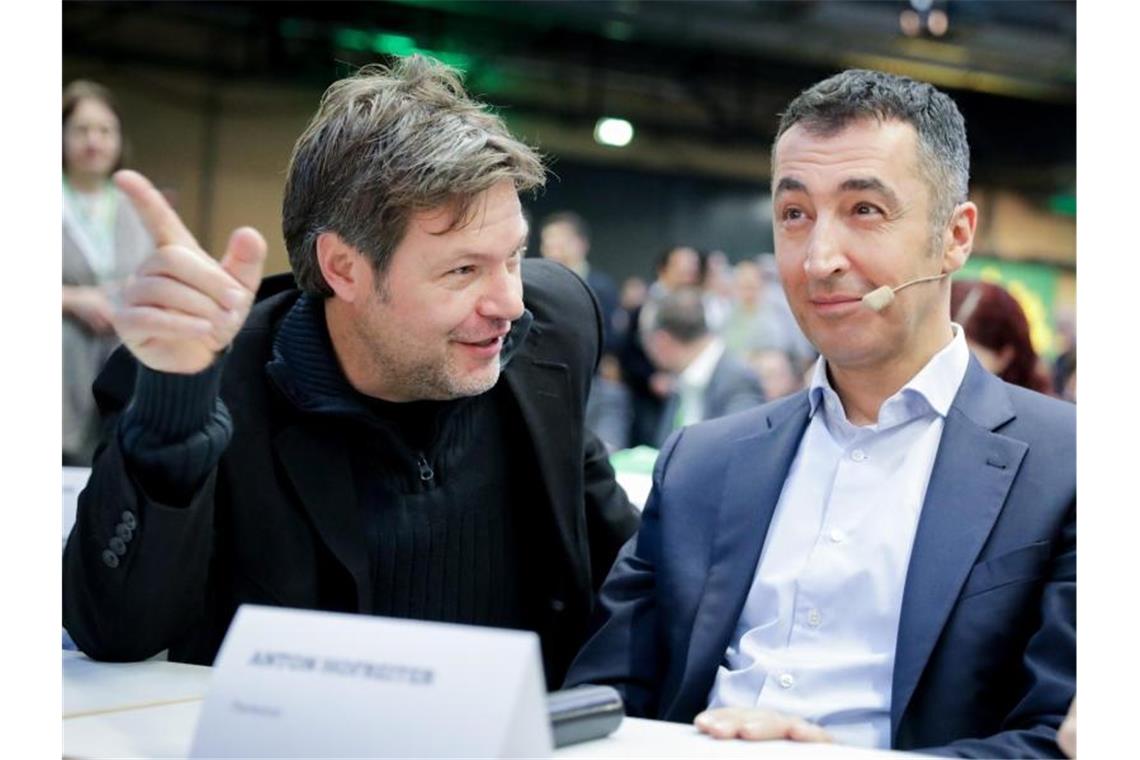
{"points": [[170, 407]]}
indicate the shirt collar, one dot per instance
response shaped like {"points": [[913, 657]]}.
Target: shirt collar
{"points": [[700, 369], [933, 388]]}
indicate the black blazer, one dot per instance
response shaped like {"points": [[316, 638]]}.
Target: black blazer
{"points": [[275, 522]]}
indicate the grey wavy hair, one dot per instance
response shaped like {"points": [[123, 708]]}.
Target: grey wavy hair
{"points": [[385, 143]]}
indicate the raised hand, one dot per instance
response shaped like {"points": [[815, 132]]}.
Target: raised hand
{"points": [[182, 307]]}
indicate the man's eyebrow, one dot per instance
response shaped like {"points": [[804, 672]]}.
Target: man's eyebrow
{"points": [[790, 185], [467, 253], [873, 184]]}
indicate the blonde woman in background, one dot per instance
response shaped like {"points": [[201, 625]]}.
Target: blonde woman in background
{"points": [[103, 241]]}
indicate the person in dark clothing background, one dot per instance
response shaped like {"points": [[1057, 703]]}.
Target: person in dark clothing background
{"points": [[348, 443], [565, 238]]}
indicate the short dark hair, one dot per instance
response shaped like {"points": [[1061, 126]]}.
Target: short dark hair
{"points": [[576, 222], [384, 144], [681, 314], [84, 89], [943, 151]]}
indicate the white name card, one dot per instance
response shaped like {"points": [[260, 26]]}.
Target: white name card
{"points": [[297, 683]]}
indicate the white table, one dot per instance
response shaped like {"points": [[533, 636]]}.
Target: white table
{"points": [[136, 709], [149, 710]]}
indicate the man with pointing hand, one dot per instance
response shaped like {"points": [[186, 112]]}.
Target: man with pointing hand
{"points": [[399, 434]]}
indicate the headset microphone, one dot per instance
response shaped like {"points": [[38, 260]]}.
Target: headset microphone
{"points": [[879, 298]]}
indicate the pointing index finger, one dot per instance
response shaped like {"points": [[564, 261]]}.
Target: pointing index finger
{"points": [[156, 213]]}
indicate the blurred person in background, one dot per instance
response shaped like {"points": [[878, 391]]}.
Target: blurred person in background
{"points": [[709, 382], [678, 266], [777, 372], [758, 322], [1068, 379], [609, 408], [803, 352], [717, 284], [631, 297], [1065, 365], [103, 242], [565, 238], [998, 333]]}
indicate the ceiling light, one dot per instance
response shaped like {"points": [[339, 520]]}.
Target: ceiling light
{"points": [[611, 131]]}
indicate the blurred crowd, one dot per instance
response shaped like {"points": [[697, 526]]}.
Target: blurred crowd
{"points": [[706, 337]]}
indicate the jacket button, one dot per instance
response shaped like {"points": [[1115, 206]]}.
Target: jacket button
{"points": [[123, 532], [118, 546], [129, 520], [110, 559], [557, 606]]}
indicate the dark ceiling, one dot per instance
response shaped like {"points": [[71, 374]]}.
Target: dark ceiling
{"points": [[714, 72]]}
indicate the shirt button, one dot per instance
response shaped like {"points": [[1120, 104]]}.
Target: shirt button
{"points": [[837, 536], [814, 618], [858, 455], [787, 681]]}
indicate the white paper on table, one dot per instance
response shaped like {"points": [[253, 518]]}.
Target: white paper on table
{"points": [[299, 683]]}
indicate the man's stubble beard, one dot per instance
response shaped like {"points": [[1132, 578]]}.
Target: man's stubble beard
{"points": [[423, 378]]}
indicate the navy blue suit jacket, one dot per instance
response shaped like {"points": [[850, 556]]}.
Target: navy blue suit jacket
{"points": [[985, 663]]}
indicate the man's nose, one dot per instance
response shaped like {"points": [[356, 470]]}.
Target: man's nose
{"points": [[502, 298], [825, 251]]}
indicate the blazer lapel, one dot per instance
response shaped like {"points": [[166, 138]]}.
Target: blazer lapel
{"points": [[318, 466], [972, 475], [541, 389], [753, 480]]}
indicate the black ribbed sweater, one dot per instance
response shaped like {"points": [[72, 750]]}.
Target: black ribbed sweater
{"points": [[447, 532]]}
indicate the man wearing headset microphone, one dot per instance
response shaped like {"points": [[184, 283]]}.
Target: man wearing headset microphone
{"points": [[888, 558]]}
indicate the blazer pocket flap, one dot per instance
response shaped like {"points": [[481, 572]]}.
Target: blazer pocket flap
{"points": [[1024, 563]]}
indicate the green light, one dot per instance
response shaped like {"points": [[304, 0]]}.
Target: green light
{"points": [[393, 44], [1064, 204], [352, 39], [455, 60], [618, 30], [386, 43]]}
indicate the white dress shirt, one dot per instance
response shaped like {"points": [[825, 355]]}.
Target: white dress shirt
{"points": [[817, 634], [693, 381]]}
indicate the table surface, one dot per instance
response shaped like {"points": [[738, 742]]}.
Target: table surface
{"points": [[149, 710]]}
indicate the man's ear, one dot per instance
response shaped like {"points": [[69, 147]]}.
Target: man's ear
{"points": [[958, 237], [344, 268]]}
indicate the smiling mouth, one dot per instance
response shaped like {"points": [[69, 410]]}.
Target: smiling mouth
{"points": [[835, 301], [483, 343]]}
